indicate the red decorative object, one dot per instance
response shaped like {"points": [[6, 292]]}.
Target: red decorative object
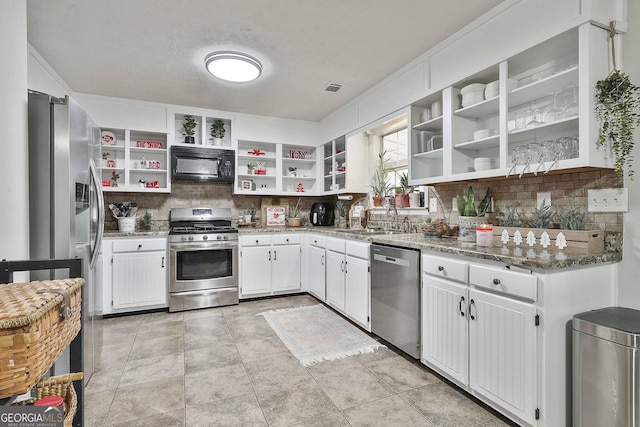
{"points": [[154, 164], [148, 144], [297, 154], [111, 163], [256, 152], [106, 183], [300, 188], [148, 184], [156, 184], [260, 172]]}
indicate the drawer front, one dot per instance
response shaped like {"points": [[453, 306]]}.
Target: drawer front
{"points": [[521, 285], [139, 245], [255, 240], [358, 250], [285, 239], [336, 245], [447, 268], [316, 240]]}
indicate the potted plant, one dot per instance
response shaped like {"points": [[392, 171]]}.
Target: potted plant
{"points": [[146, 220], [342, 214], [469, 216], [217, 131], [379, 185], [402, 192], [250, 167], [571, 217], [617, 110], [188, 129], [293, 217]]}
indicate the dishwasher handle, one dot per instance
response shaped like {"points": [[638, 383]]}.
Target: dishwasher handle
{"points": [[391, 260]]}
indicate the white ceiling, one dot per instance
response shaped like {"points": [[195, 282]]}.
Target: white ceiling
{"points": [[154, 50]]}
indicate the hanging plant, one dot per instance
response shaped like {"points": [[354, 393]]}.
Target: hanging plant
{"points": [[618, 112]]}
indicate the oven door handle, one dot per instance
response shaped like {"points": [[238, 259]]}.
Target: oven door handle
{"points": [[202, 247]]}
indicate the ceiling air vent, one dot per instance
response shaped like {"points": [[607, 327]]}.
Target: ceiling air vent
{"points": [[333, 87]]}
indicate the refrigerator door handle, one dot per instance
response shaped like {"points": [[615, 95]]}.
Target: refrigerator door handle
{"points": [[101, 213]]}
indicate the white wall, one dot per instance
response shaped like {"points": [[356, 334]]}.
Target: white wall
{"points": [[14, 184], [628, 269], [42, 78]]}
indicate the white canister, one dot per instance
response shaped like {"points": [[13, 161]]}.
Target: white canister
{"points": [[436, 109], [484, 235], [426, 115], [127, 224]]}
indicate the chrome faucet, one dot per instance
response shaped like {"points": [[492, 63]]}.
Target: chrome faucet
{"points": [[395, 214]]}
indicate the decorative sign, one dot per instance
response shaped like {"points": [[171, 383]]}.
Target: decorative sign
{"points": [[152, 184], [297, 154], [108, 138], [111, 163], [276, 216], [153, 164], [256, 152], [148, 144]]}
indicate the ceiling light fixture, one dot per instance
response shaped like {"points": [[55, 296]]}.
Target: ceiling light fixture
{"points": [[233, 66]]}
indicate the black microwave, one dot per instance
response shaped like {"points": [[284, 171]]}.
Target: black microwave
{"points": [[202, 164]]}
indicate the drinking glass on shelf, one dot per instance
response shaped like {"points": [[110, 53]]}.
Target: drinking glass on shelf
{"points": [[556, 112], [521, 119], [568, 146], [571, 100], [536, 117]]}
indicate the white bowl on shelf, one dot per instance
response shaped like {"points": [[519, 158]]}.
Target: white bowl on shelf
{"points": [[482, 163], [473, 87]]}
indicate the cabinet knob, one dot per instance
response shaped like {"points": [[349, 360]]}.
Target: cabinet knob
{"points": [[257, 241], [496, 282], [287, 240], [139, 246], [440, 268]]}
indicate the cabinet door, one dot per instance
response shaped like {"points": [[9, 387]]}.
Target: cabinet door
{"points": [[502, 340], [255, 270], [357, 291], [445, 327], [316, 273], [335, 280], [285, 272], [139, 279]]}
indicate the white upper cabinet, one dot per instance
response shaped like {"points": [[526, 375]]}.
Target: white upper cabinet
{"points": [[345, 165], [202, 131], [532, 113]]}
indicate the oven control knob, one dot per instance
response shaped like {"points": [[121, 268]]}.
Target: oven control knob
{"points": [[183, 238], [190, 237], [205, 237], [219, 237], [226, 237]]}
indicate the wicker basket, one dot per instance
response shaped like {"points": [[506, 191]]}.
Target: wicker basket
{"points": [[32, 332], [60, 385]]}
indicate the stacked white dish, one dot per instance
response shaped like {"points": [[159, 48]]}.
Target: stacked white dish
{"points": [[482, 163], [472, 94], [492, 90], [484, 133]]}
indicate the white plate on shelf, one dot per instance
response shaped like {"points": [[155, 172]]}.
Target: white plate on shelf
{"points": [[108, 138]]}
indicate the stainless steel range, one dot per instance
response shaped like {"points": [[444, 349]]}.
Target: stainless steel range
{"points": [[203, 256]]}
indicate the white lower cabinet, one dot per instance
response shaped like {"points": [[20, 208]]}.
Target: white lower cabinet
{"points": [[316, 274], [348, 283], [502, 344], [269, 264], [137, 277], [482, 341]]}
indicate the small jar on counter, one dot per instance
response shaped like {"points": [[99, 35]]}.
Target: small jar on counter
{"points": [[484, 235]]}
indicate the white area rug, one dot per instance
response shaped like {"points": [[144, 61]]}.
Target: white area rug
{"points": [[315, 333]]}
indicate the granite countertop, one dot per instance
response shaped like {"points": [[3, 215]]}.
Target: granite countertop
{"points": [[537, 258], [146, 233]]}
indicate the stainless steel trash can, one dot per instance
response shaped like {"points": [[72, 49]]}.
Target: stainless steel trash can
{"points": [[606, 368]]}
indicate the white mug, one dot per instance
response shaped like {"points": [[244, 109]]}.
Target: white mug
{"points": [[436, 109]]}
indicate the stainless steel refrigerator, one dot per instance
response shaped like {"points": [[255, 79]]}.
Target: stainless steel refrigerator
{"points": [[66, 207]]}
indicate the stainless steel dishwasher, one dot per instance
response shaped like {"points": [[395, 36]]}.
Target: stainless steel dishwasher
{"points": [[395, 297]]}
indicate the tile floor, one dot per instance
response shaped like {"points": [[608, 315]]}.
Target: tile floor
{"points": [[225, 366]]}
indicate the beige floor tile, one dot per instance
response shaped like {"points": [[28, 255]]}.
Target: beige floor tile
{"points": [[400, 374], [146, 400], [216, 383], [152, 369], [162, 346], [96, 407], [445, 406], [119, 336], [249, 327], [332, 420], [196, 341], [213, 356], [348, 383], [282, 370], [152, 330], [165, 419], [242, 410], [258, 348], [213, 326], [291, 406], [390, 411], [111, 355], [103, 379]]}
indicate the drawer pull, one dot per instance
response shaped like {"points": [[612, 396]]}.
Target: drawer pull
{"points": [[162, 262], [287, 240], [275, 255], [440, 268], [269, 255], [496, 282], [460, 309], [139, 246], [257, 242]]}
